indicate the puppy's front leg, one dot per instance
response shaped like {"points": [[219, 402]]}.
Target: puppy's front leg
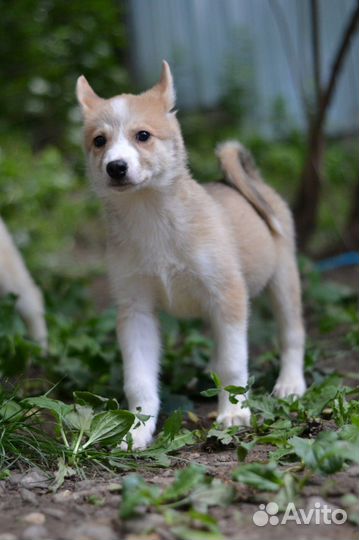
{"points": [[230, 328], [139, 339]]}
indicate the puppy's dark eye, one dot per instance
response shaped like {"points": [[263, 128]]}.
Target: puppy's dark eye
{"points": [[99, 141], [143, 136]]}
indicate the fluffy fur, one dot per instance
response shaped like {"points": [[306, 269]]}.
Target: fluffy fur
{"points": [[189, 249], [15, 278]]}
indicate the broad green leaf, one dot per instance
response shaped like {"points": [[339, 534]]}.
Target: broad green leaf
{"points": [[80, 418], [264, 477], [98, 403], [304, 449], [110, 427], [58, 408], [10, 410]]}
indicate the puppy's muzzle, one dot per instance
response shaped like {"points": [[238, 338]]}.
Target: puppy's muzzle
{"points": [[117, 171]]}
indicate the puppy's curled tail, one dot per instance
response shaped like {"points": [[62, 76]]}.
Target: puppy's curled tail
{"points": [[242, 175]]}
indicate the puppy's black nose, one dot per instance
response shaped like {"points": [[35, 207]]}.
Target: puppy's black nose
{"points": [[117, 169]]}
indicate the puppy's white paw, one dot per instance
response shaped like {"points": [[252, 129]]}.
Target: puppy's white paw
{"points": [[234, 414], [141, 436], [285, 386]]}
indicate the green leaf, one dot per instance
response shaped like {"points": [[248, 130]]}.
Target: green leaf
{"points": [[287, 492], [210, 392], [191, 487], [173, 425], [10, 410], [63, 471], [244, 448], [58, 408], [224, 436], [136, 493], [279, 437], [326, 454], [264, 477], [279, 454], [185, 480], [304, 449], [265, 405], [164, 444], [80, 418], [212, 493], [217, 381], [235, 390], [98, 403], [5, 474], [204, 518], [110, 427], [343, 409], [350, 432], [317, 397]]}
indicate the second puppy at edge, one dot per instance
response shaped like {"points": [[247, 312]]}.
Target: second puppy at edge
{"points": [[189, 249]]}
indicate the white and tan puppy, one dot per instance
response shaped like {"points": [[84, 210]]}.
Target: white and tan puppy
{"points": [[189, 249], [15, 278]]}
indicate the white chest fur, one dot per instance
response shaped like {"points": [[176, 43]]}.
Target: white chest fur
{"points": [[149, 248]]}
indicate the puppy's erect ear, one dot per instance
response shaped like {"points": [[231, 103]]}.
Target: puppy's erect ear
{"points": [[85, 95], [166, 86]]}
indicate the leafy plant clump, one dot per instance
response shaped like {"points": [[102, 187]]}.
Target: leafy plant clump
{"points": [[184, 505], [297, 434], [92, 432]]}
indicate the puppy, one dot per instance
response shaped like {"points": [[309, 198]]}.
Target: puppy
{"points": [[15, 278], [189, 249]]}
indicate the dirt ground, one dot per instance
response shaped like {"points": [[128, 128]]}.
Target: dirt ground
{"points": [[88, 509]]}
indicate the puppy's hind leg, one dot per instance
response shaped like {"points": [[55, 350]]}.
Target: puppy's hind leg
{"points": [[15, 278], [31, 307], [285, 293], [229, 323]]}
